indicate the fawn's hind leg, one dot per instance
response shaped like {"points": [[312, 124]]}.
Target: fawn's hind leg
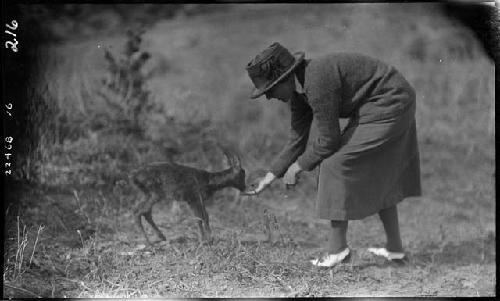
{"points": [[149, 218], [138, 213]]}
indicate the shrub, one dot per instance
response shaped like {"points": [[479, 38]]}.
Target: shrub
{"points": [[124, 89]]}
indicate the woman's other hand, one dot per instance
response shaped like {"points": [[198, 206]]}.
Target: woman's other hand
{"points": [[291, 176]]}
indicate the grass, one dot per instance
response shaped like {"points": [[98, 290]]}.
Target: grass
{"points": [[89, 246]]}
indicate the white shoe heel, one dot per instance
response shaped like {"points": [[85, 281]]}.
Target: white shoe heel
{"points": [[331, 260], [382, 252]]}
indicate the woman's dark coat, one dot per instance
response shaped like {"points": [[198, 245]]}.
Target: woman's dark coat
{"points": [[374, 163]]}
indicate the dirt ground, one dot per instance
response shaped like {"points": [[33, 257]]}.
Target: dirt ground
{"points": [[451, 251]]}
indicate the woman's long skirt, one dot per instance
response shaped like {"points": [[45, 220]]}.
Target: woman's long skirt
{"points": [[376, 167]]}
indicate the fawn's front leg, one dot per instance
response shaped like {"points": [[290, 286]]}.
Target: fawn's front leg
{"points": [[198, 208], [208, 232]]}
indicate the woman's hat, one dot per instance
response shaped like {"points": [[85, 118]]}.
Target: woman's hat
{"points": [[270, 66]]}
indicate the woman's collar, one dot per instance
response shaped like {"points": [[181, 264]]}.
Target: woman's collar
{"points": [[298, 87]]}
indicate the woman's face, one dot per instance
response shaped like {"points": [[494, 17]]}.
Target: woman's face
{"points": [[282, 90]]}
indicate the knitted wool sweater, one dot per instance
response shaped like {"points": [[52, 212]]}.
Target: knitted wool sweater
{"points": [[340, 85]]}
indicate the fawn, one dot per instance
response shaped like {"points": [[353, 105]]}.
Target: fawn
{"points": [[170, 181]]}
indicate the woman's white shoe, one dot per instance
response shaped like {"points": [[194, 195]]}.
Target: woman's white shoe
{"points": [[388, 255], [331, 260]]}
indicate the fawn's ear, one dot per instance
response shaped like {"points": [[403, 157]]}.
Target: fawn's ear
{"points": [[236, 161]]}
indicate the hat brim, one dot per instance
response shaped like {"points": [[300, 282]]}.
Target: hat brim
{"points": [[299, 57]]}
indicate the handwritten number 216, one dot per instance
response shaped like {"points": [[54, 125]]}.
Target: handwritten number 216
{"points": [[10, 44]]}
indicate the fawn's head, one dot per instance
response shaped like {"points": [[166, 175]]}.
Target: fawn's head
{"points": [[237, 172]]}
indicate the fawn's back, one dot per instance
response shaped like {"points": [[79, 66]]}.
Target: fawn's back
{"points": [[171, 180]]}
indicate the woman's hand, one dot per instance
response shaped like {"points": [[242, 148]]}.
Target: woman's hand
{"points": [[263, 184], [291, 176]]}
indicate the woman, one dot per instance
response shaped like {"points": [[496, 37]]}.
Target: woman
{"points": [[371, 165]]}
